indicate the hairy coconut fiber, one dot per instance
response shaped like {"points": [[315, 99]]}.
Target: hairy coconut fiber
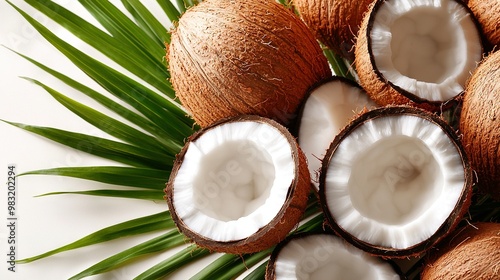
{"points": [[480, 123], [471, 253], [335, 23], [487, 13], [229, 58]]}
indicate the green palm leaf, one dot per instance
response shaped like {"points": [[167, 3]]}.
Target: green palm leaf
{"points": [[135, 194], [133, 227]]}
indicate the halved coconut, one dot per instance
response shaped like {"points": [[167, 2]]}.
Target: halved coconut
{"points": [[480, 123], [239, 186], [325, 256], [470, 253], [395, 181], [417, 53], [329, 106]]}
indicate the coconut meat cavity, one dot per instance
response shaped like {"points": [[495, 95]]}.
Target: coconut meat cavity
{"points": [[427, 48], [394, 180], [326, 111], [323, 256], [234, 180]]}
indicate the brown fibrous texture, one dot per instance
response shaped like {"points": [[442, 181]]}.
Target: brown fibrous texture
{"points": [[230, 58], [470, 253], [335, 23], [487, 14], [281, 225], [480, 123]]}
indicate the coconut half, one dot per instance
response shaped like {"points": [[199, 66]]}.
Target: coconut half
{"points": [[480, 123], [470, 253], [329, 106], [239, 186], [324, 256], [417, 53], [395, 181]]}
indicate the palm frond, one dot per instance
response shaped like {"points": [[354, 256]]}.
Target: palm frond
{"points": [[134, 194], [141, 225]]}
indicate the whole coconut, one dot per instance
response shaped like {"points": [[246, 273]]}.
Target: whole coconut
{"points": [[480, 123], [335, 23], [487, 13], [472, 253], [229, 58]]}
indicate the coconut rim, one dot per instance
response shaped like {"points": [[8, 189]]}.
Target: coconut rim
{"points": [[260, 233], [271, 265], [448, 224], [410, 96]]}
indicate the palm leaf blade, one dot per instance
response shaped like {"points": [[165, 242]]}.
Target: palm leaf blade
{"points": [[141, 225], [134, 194], [166, 267], [163, 242], [116, 175], [129, 58], [147, 21], [105, 148]]}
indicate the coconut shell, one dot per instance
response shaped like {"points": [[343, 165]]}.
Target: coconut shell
{"points": [[487, 13], [230, 58], [470, 253], [280, 226], [335, 23], [480, 123], [381, 90], [462, 204]]}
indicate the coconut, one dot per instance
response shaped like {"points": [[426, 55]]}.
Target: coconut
{"points": [[335, 23], [328, 107], [480, 123], [318, 256], [395, 181], [239, 185], [417, 53], [471, 253], [229, 58], [488, 16]]}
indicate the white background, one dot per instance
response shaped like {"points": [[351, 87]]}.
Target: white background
{"points": [[45, 223]]}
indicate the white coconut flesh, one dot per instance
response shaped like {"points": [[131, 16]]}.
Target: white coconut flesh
{"points": [[234, 180], [324, 256], [394, 180], [425, 47], [327, 110]]}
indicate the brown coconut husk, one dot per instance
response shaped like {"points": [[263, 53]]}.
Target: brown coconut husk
{"points": [[335, 23], [230, 58], [487, 14], [470, 253], [280, 226], [480, 124]]}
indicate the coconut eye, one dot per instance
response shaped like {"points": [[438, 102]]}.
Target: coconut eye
{"points": [[418, 52], [395, 181], [239, 186]]}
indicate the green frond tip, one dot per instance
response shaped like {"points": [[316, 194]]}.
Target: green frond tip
{"points": [[143, 178], [159, 221], [132, 194]]}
